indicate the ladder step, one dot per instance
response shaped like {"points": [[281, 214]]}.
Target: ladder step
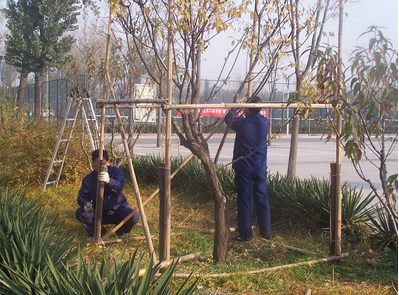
{"points": [[88, 114]]}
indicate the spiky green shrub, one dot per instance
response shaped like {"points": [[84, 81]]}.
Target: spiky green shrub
{"points": [[115, 276], [355, 206], [302, 200], [37, 257], [384, 232], [146, 168], [308, 201], [28, 238], [193, 173]]}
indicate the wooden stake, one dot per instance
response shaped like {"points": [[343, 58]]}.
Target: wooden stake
{"points": [[333, 193], [163, 214], [98, 215]]}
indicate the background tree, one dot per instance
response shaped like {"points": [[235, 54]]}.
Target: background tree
{"points": [[307, 27], [20, 23], [194, 24], [37, 39], [369, 112]]}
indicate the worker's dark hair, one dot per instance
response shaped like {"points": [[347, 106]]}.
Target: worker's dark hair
{"points": [[96, 153], [255, 99]]}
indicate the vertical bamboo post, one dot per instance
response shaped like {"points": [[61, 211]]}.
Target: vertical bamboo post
{"points": [[100, 186], [167, 184], [164, 209], [333, 193], [99, 202], [168, 128], [338, 208]]}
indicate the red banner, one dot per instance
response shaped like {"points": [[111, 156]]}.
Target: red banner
{"points": [[219, 112]]}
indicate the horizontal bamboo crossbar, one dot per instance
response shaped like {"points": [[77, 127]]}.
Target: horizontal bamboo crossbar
{"points": [[157, 103]]}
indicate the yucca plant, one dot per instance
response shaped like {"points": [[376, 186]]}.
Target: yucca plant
{"points": [[303, 200], [355, 207], [192, 177], [36, 258], [114, 276], [27, 237], [384, 229], [309, 201], [146, 168], [226, 177]]}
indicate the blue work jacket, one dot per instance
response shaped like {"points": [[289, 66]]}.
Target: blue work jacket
{"points": [[113, 195], [251, 137]]}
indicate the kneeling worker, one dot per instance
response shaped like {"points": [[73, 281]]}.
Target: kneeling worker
{"points": [[115, 205]]}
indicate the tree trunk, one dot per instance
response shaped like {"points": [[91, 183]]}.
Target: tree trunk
{"points": [[291, 170], [222, 224], [199, 147], [221, 242], [21, 90], [38, 94]]}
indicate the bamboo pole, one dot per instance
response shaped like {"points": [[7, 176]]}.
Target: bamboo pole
{"points": [[212, 231], [126, 103], [119, 240], [115, 228], [262, 270], [166, 263], [174, 173], [294, 249], [164, 214], [168, 135], [333, 194], [98, 215], [234, 229], [338, 202], [171, 177], [133, 178], [100, 185]]}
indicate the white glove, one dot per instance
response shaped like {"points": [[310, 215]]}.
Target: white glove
{"points": [[88, 207], [104, 177]]}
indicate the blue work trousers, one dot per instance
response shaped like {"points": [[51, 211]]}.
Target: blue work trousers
{"points": [[87, 220], [251, 190]]}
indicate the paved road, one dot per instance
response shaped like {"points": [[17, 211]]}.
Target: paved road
{"points": [[314, 157]]}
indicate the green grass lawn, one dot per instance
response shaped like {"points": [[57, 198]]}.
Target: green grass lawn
{"points": [[364, 271]]}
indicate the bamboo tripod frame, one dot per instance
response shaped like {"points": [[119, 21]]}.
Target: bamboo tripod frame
{"points": [[167, 107]]}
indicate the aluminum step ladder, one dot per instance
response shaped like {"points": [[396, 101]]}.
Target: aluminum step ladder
{"points": [[75, 106]]}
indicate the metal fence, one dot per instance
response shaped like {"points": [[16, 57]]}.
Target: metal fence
{"points": [[55, 94]]}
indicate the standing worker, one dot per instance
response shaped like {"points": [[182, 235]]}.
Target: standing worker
{"points": [[250, 167], [115, 205]]}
